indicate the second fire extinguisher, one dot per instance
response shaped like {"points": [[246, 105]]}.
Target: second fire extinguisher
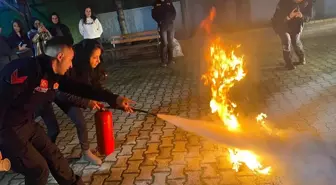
{"points": [[104, 130]]}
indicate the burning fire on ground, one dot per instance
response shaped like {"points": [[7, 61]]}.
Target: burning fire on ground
{"points": [[225, 70]]}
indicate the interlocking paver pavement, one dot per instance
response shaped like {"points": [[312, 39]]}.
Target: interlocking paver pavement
{"points": [[151, 151]]}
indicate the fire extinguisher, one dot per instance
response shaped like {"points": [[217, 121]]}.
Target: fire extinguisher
{"points": [[104, 130]]}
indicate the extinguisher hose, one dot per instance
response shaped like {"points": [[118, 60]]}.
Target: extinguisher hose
{"points": [[135, 110], [146, 112]]}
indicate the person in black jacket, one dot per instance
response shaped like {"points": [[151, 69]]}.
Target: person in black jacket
{"points": [[19, 41], [287, 22], [164, 14], [86, 69], [59, 29], [27, 83]]}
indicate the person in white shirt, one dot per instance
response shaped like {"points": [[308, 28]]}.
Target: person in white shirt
{"points": [[89, 26]]}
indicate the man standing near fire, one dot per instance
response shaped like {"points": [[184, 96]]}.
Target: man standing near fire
{"points": [[164, 14], [287, 22]]}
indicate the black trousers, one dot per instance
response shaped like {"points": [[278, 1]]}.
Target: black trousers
{"points": [[291, 41], [167, 33], [47, 114], [33, 155]]}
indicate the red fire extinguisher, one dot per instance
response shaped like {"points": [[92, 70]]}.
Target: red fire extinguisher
{"points": [[104, 130]]}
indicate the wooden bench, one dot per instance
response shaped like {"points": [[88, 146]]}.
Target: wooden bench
{"points": [[153, 38]]}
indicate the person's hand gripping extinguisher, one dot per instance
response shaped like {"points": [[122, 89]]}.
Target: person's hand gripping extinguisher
{"points": [[123, 103]]}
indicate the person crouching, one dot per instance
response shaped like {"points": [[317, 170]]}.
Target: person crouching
{"points": [[287, 22]]}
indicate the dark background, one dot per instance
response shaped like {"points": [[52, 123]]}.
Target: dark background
{"points": [[104, 6]]}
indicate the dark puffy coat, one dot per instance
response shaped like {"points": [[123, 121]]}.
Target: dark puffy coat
{"points": [[295, 25], [163, 12]]}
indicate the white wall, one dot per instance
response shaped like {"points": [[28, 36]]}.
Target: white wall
{"points": [[330, 8], [262, 10]]}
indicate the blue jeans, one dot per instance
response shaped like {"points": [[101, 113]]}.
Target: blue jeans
{"points": [[167, 33], [76, 116]]}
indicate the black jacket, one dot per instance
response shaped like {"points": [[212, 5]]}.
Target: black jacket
{"points": [[14, 40], [28, 83], [295, 25], [5, 48], [163, 12]]}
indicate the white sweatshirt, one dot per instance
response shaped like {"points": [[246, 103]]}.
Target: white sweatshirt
{"points": [[91, 30]]}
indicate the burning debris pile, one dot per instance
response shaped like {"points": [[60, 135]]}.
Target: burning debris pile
{"points": [[225, 70], [300, 157]]}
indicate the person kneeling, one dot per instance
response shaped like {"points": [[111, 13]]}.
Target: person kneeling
{"points": [[86, 69]]}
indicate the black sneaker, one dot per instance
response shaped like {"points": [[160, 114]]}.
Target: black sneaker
{"points": [[290, 66]]}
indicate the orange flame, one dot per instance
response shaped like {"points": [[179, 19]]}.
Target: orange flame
{"points": [[206, 23], [225, 70]]}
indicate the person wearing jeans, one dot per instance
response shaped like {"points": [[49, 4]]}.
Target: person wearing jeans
{"points": [[164, 14], [287, 22], [86, 69]]}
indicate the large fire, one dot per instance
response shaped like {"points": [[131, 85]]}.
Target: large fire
{"points": [[224, 70]]}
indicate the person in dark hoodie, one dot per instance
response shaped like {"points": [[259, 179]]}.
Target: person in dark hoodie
{"points": [[5, 48], [59, 29], [287, 22], [164, 13], [5, 51], [86, 69]]}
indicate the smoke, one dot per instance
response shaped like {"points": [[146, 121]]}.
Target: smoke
{"points": [[299, 158], [304, 159]]}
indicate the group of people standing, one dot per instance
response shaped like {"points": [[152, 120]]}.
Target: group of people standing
{"points": [[32, 43]]}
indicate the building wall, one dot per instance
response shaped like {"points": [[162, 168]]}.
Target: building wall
{"points": [[137, 20], [262, 11], [257, 12], [329, 7]]}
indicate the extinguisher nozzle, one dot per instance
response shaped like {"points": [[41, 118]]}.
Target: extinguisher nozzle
{"points": [[135, 110]]}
